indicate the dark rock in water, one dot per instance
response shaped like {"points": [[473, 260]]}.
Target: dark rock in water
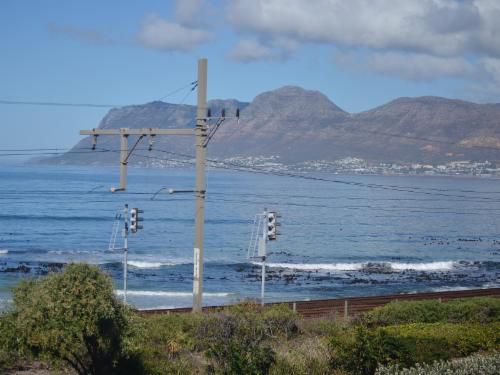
{"points": [[378, 268], [20, 269], [240, 269]]}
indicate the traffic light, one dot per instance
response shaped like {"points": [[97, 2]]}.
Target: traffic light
{"points": [[271, 225], [135, 219]]}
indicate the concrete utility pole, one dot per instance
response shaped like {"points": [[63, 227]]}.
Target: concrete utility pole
{"points": [[200, 132]]}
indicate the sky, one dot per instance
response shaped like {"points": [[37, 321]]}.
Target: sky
{"points": [[360, 53]]}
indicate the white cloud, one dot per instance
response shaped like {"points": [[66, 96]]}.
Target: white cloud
{"points": [[410, 66], [488, 36], [418, 40], [251, 49], [247, 50], [421, 67], [161, 34], [491, 68], [81, 34], [440, 27], [187, 12]]}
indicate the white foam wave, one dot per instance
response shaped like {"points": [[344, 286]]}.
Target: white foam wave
{"points": [[395, 266], [456, 288], [141, 264], [151, 293], [316, 266], [3, 251], [431, 266]]}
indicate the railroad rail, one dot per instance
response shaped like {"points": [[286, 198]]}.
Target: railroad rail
{"points": [[349, 307]]}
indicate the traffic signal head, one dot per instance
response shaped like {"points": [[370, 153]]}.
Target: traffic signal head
{"points": [[271, 226], [134, 219]]}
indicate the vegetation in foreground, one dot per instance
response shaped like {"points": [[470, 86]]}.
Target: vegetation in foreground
{"points": [[73, 322]]}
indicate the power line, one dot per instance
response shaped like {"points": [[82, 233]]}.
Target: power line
{"points": [[88, 105], [60, 104], [192, 84]]}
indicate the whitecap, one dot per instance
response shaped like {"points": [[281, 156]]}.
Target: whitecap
{"points": [[141, 264], [374, 266], [316, 266], [430, 266], [160, 293]]}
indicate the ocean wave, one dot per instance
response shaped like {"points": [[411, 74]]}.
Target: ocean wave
{"points": [[457, 288], [71, 252], [316, 266], [151, 293], [141, 264], [430, 266], [367, 266], [3, 251]]}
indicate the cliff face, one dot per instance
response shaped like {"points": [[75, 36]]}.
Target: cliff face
{"points": [[299, 125]]}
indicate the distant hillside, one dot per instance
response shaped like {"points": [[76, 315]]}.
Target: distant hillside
{"points": [[299, 125]]}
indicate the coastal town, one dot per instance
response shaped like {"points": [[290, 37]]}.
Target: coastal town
{"points": [[348, 165]]}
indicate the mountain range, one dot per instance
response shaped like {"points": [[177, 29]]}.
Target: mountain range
{"points": [[300, 125]]}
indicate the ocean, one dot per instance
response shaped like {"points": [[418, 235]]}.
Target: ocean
{"points": [[373, 235]]}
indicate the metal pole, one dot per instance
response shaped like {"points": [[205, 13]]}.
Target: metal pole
{"points": [[125, 252], [264, 241], [201, 134], [123, 159], [263, 282]]}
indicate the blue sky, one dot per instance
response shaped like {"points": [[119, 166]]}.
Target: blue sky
{"points": [[360, 53]]}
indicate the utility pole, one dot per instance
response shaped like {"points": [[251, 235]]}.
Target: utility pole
{"points": [[123, 158], [125, 253], [200, 133]]}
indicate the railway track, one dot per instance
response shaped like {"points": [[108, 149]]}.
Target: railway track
{"points": [[348, 307]]}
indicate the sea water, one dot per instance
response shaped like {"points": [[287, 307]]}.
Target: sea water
{"points": [[380, 235]]}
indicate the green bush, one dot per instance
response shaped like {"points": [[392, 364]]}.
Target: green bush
{"points": [[10, 352], [71, 317], [301, 356], [423, 343], [323, 327], [473, 365], [471, 310], [165, 343], [235, 340], [352, 349], [280, 320], [359, 350]]}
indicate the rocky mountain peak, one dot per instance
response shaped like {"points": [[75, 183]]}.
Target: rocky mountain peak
{"points": [[293, 101]]}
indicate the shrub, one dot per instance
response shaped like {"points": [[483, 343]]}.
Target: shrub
{"points": [[301, 356], [359, 349], [164, 343], [235, 340], [72, 317], [473, 365], [324, 327], [472, 310], [280, 320], [414, 343], [353, 350], [9, 351]]}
